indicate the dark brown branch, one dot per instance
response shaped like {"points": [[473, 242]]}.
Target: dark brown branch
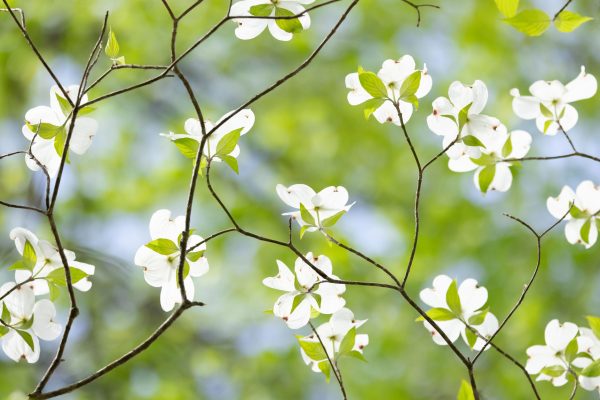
{"points": [[418, 7], [334, 368]]}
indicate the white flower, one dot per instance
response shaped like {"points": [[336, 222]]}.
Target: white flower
{"points": [[549, 103], [27, 318], [51, 125], [281, 29], [47, 260], [550, 361], [453, 306], [160, 258], [315, 208], [296, 306], [332, 334], [590, 344], [581, 226], [392, 75], [241, 123]]}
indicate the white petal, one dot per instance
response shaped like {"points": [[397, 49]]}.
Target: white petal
{"points": [[83, 133], [357, 94], [472, 296], [580, 88], [163, 226], [525, 107], [558, 206], [588, 197], [296, 194], [284, 280], [548, 90], [559, 335], [436, 296], [43, 323], [17, 349]]}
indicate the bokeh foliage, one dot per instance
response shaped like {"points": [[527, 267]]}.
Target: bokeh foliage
{"points": [[304, 132]]}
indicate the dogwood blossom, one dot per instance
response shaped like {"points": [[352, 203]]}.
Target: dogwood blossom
{"points": [[339, 339], [456, 306], [221, 144], [47, 127], [47, 270], [584, 206], [552, 361], [160, 258], [315, 210], [312, 292], [280, 29], [397, 82], [25, 321], [589, 343], [549, 103]]}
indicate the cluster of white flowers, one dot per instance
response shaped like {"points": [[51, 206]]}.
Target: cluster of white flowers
{"points": [[47, 129], [569, 351], [160, 258], [310, 292], [397, 84], [581, 209], [477, 141], [459, 311], [25, 319]]}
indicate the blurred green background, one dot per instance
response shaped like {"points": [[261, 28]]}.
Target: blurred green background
{"points": [[305, 132]]}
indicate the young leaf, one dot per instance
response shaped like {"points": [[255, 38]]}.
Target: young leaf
{"points": [[568, 21], [45, 130], [57, 276], [358, 355], [325, 368], [232, 162], [313, 350], [195, 256], [471, 140], [26, 324], [371, 105], [303, 230], [54, 291], [3, 330], [29, 256], [554, 371], [507, 149], [571, 350], [592, 370], [372, 84], [532, 22], [463, 116], [452, 298], [228, 142], [165, 247], [410, 86], [486, 176], [328, 222], [188, 147], [465, 392], [262, 10], [594, 323], [439, 314], [546, 111], [290, 25], [477, 319], [508, 7], [547, 125], [585, 230], [27, 338], [59, 142], [5, 314], [306, 215], [348, 341], [64, 104], [297, 300], [471, 337], [112, 46]]}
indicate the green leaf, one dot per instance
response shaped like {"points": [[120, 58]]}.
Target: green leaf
{"points": [[29, 256], [59, 142], [86, 110], [372, 84], [571, 350], [54, 291], [471, 337], [195, 256], [45, 130], [18, 265], [592, 370], [410, 86], [228, 142], [452, 298], [546, 111], [507, 149], [484, 160], [439, 314], [163, 246], [57, 276], [532, 22], [306, 215], [547, 125], [471, 140], [328, 222], [313, 350], [465, 392], [594, 323], [585, 230], [348, 341], [358, 355], [26, 324], [554, 371], [577, 213], [64, 104], [261, 10], [3, 330], [27, 338], [486, 176], [508, 7], [463, 116], [325, 368], [568, 21], [6, 317], [371, 105], [188, 147], [477, 319], [186, 270], [291, 25], [232, 162], [303, 230], [297, 300], [112, 46]]}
